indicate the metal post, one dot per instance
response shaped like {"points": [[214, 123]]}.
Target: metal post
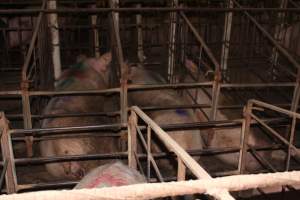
{"points": [[140, 47], [27, 117], [279, 33], [171, 46], [148, 152], [120, 57], [95, 34], [53, 23], [291, 140], [244, 137], [226, 41], [8, 156], [181, 171], [132, 140]]}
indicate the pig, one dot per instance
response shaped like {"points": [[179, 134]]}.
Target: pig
{"points": [[91, 73], [109, 175], [188, 140], [223, 138]]}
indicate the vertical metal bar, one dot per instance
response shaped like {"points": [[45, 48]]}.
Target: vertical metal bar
{"points": [[132, 140], [140, 46], [53, 23], [278, 36], [7, 155], [95, 34], [291, 139], [244, 137], [181, 171], [123, 66], [27, 117], [171, 46], [148, 152], [226, 41]]}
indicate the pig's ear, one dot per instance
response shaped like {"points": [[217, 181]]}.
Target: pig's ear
{"points": [[191, 66], [103, 62]]}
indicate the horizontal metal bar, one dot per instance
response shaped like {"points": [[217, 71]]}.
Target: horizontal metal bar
{"points": [[143, 9], [45, 131]]}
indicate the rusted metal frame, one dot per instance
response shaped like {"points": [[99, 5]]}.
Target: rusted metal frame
{"points": [[95, 32], [278, 36], [144, 9], [244, 138], [294, 3], [149, 155], [284, 52], [55, 41], [226, 41], [123, 66], [291, 140], [147, 87], [172, 40], [140, 43], [59, 130], [55, 159], [217, 75], [195, 168], [124, 155], [148, 152], [8, 156], [181, 170], [132, 140], [275, 108], [277, 135], [266, 164], [25, 84], [4, 169]]}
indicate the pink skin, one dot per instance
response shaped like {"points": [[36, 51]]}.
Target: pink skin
{"points": [[74, 170]]}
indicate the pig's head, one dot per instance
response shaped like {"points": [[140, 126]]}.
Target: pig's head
{"points": [[139, 75], [101, 65], [73, 169]]}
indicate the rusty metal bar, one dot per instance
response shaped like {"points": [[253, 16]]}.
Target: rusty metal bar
{"points": [[132, 140], [244, 137], [8, 156], [196, 169], [144, 9]]}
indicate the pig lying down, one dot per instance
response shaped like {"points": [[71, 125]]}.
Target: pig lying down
{"points": [[109, 175], [90, 73], [189, 140]]}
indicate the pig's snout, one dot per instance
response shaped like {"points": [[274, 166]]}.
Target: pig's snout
{"points": [[74, 169]]}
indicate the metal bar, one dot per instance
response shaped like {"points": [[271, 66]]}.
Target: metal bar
{"points": [[196, 169], [226, 41], [8, 156], [143, 9], [132, 140], [291, 140], [53, 159], [45, 131], [148, 152], [172, 40], [2, 178], [31, 46], [144, 144], [244, 138], [282, 139], [140, 47], [181, 171], [201, 41], [270, 38]]}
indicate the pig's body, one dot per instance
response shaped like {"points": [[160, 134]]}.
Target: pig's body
{"points": [[189, 140], [225, 138], [109, 175], [87, 75]]}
